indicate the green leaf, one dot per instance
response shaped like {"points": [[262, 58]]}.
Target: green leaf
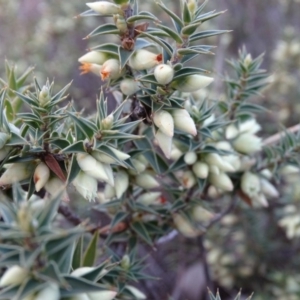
{"points": [[104, 29], [90, 253], [186, 15], [119, 217], [107, 48], [174, 35], [74, 169], [188, 71], [77, 147], [78, 254], [124, 56], [141, 231], [143, 15], [206, 34], [87, 127], [28, 100]]}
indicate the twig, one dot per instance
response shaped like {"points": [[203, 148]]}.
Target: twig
{"points": [[276, 137]]}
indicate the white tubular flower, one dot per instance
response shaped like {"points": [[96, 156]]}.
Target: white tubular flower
{"points": [[215, 159], [231, 132], [3, 152], [201, 169], [41, 176], [91, 166], [165, 142], [221, 181], [146, 181], [94, 57], [163, 74], [86, 186], [268, 189], [110, 69], [121, 183], [103, 295], [14, 275], [51, 292], [149, 198], [129, 86], [16, 172], [250, 184], [54, 186], [190, 158], [105, 8], [188, 179], [135, 292], [185, 227], [109, 173], [90, 68], [249, 126], [183, 121], [143, 60], [247, 143], [192, 83], [164, 121], [44, 96]]}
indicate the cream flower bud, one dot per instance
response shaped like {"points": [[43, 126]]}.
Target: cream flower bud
{"points": [[268, 189], [109, 192], [214, 169], [3, 139], [188, 179], [249, 126], [289, 170], [3, 152], [250, 184], [54, 186], [190, 158], [121, 23], [149, 198], [215, 159], [201, 169], [185, 227], [213, 192], [248, 60], [110, 69], [103, 295], [138, 165], [94, 57], [164, 121], [136, 293], [51, 292], [86, 186], [90, 68], [41, 176], [44, 96], [129, 86], [221, 181], [16, 172], [247, 143], [183, 121], [192, 83], [200, 214], [192, 6], [175, 153], [14, 275], [107, 123], [82, 271], [165, 142], [91, 166], [146, 181], [163, 74], [143, 59], [121, 183], [104, 7], [231, 132]]}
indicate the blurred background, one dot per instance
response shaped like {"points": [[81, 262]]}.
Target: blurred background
{"points": [[45, 34]]}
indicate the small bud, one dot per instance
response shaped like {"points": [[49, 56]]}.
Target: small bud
{"points": [[146, 181], [90, 68], [215, 159], [163, 74], [249, 126], [16, 172], [175, 153], [149, 198], [110, 69], [164, 121], [129, 86], [125, 262], [200, 214], [268, 189], [51, 292], [135, 292], [289, 170], [103, 295], [213, 192], [54, 186], [192, 83], [231, 132], [185, 227], [41, 176], [190, 158], [266, 173], [44, 96], [248, 60], [104, 8], [221, 181], [121, 23], [3, 139], [143, 60], [121, 183], [94, 57], [24, 218], [86, 186], [91, 166], [183, 121], [192, 6], [247, 143], [250, 184], [14, 275], [164, 142], [188, 179], [201, 169]]}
